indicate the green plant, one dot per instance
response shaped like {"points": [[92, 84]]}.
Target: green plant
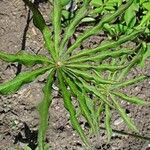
{"points": [[139, 10], [94, 76]]}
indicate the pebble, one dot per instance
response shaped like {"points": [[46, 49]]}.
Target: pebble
{"points": [[118, 121], [1, 109]]}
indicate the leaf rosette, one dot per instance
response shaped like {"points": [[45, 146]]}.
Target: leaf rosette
{"points": [[94, 76]]}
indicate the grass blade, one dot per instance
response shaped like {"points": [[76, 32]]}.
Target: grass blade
{"points": [[43, 108]]}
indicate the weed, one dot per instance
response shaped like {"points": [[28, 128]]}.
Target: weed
{"points": [[94, 76]]}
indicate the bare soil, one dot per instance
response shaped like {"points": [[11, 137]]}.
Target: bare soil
{"points": [[18, 114]]}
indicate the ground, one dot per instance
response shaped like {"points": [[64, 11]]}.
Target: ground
{"points": [[18, 114]]}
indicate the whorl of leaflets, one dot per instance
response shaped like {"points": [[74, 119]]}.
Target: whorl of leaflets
{"points": [[93, 76]]}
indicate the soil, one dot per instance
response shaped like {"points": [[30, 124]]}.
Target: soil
{"points": [[18, 114]]}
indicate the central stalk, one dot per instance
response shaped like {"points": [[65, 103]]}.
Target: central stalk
{"points": [[58, 64]]}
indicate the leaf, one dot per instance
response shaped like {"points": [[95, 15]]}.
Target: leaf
{"points": [[130, 82], [146, 5], [96, 92], [146, 49], [91, 105], [38, 19], [21, 79], [86, 104], [89, 102], [24, 58], [64, 2], [46, 147], [69, 106], [106, 46], [96, 29], [43, 108], [101, 67], [130, 99], [135, 60], [96, 3], [108, 122], [103, 55], [57, 14], [88, 76], [27, 148], [40, 23], [81, 99], [130, 15], [123, 114], [69, 31]]}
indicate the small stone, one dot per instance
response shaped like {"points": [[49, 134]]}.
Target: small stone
{"points": [[1, 109], [16, 122], [118, 121]]}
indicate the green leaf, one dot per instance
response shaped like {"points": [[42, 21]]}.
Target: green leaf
{"points": [[123, 114], [108, 122], [88, 76], [24, 58], [91, 105], [81, 99], [145, 19], [131, 82], [46, 147], [96, 3], [89, 102], [40, 23], [95, 30], [21, 79], [38, 19], [130, 15], [146, 5], [95, 91], [106, 46], [130, 99], [103, 55], [102, 67], [27, 148], [69, 106], [64, 2], [135, 60], [43, 109], [146, 49], [57, 14], [69, 31]]}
